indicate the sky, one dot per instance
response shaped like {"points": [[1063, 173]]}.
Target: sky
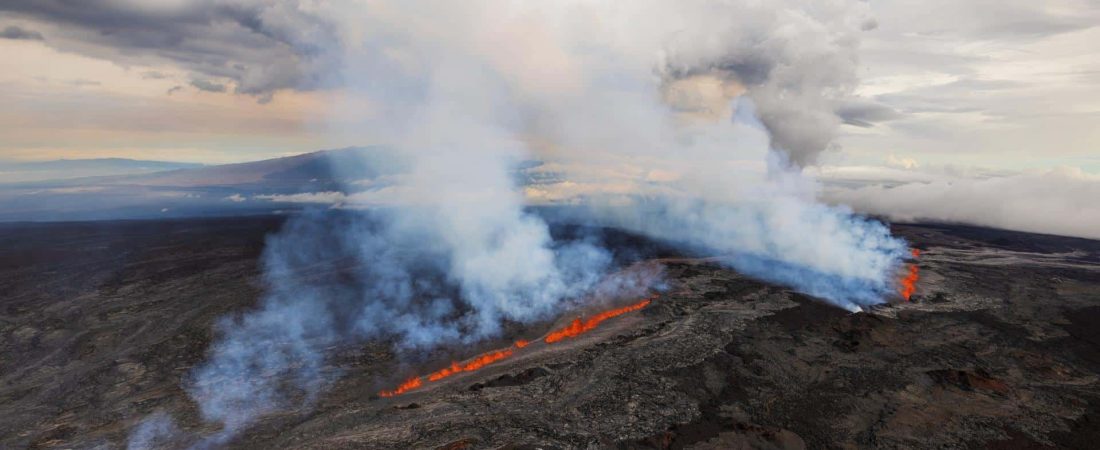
{"points": [[947, 94], [994, 84], [997, 84]]}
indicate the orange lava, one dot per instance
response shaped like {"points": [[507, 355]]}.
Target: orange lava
{"points": [[474, 364], [574, 329], [407, 386], [908, 283], [577, 327]]}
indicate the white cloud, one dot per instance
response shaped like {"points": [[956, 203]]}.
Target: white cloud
{"points": [[1006, 83], [69, 190], [1059, 201], [327, 197]]}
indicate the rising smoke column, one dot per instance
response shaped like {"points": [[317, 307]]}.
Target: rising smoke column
{"points": [[684, 120], [687, 121]]}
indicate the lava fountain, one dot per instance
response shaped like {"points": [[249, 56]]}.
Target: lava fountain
{"points": [[908, 283]]}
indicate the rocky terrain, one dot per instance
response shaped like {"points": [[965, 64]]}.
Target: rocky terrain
{"points": [[999, 348]]}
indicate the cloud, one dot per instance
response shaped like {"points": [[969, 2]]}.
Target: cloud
{"points": [[80, 82], [327, 197], [794, 75], [973, 79], [988, 19], [262, 46], [865, 113], [15, 32], [208, 86], [1057, 201]]}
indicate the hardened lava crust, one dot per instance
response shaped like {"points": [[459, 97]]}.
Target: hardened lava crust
{"points": [[998, 348]]}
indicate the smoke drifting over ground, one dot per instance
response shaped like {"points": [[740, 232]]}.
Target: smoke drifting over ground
{"points": [[703, 109], [339, 278]]}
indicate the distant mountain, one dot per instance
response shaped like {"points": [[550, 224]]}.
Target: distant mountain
{"points": [[21, 172], [244, 188], [321, 169]]}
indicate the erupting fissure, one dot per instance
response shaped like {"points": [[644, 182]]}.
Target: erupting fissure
{"points": [[908, 283], [574, 329], [410, 384], [577, 327], [476, 363]]}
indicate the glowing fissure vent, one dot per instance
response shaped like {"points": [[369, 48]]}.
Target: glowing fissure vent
{"points": [[578, 327], [907, 285], [574, 329]]}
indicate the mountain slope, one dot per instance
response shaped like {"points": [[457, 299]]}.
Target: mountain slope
{"points": [[22, 172], [196, 191]]}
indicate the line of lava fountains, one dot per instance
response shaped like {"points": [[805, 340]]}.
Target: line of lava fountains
{"points": [[574, 329], [908, 283], [907, 286]]}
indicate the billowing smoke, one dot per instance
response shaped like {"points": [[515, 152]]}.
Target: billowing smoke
{"points": [[683, 120], [404, 275]]}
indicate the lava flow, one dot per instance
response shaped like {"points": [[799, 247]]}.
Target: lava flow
{"points": [[576, 328], [909, 281]]}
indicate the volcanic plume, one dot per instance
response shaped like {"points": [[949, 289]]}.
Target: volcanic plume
{"points": [[656, 100]]}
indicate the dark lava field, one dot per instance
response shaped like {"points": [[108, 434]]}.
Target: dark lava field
{"points": [[999, 348]]}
